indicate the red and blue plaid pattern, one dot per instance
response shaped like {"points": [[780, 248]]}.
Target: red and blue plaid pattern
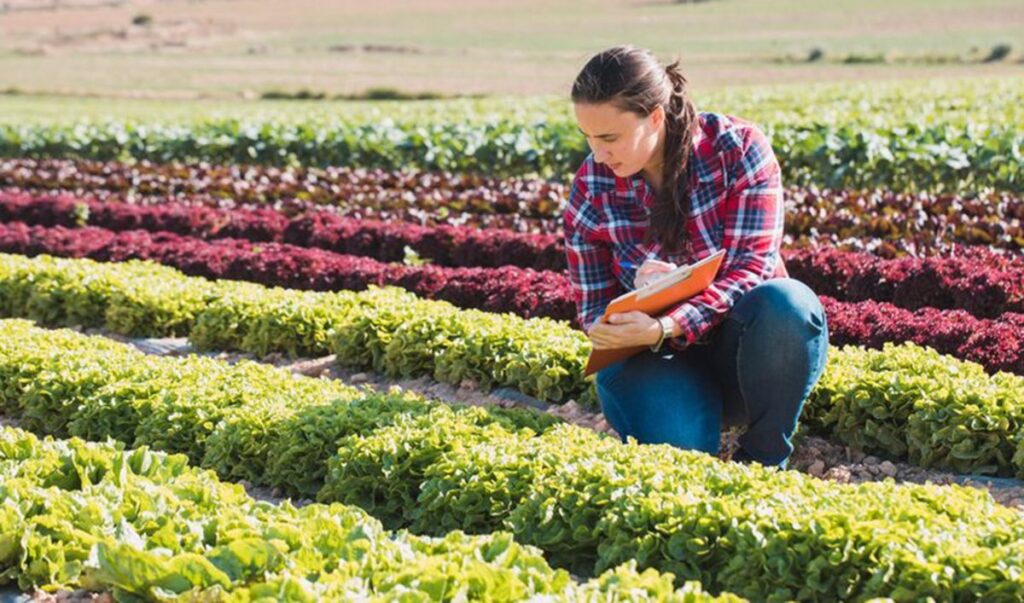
{"points": [[736, 204]]}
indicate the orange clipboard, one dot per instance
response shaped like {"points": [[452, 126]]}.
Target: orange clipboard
{"points": [[654, 298]]}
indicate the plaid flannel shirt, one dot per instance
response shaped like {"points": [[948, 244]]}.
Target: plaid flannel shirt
{"points": [[736, 204]]}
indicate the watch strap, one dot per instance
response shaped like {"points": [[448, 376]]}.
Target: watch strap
{"points": [[666, 331]]}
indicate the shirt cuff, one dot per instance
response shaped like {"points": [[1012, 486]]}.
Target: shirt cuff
{"points": [[691, 322]]}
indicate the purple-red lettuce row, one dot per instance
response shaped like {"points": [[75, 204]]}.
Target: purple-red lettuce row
{"points": [[249, 184], [444, 245], [996, 343], [521, 291], [884, 222], [386, 241], [984, 283]]}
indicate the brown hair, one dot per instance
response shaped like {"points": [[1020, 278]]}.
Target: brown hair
{"points": [[633, 79]]}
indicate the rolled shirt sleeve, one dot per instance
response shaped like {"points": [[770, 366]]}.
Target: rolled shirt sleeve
{"points": [[752, 238]]}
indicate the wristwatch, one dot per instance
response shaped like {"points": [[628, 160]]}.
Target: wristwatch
{"points": [[666, 332]]}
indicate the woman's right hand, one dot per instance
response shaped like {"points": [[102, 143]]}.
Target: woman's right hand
{"points": [[649, 271]]}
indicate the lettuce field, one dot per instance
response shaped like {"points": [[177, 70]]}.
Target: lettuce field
{"points": [[428, 244]]}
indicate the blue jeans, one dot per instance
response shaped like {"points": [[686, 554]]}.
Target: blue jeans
{"points": [[755, 369]]}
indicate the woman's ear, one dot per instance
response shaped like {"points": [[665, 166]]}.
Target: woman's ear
{"points": [[657, 116]]}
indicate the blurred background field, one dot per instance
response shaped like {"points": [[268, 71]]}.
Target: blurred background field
{"points": [[244, 49]]}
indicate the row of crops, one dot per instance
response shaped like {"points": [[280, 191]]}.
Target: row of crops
{"points": [[949, 139], [882, 222], [588, 502], [473, 246], [147, 526], [301, 239]]}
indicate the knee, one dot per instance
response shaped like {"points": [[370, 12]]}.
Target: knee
{"points": [[785, 303]]}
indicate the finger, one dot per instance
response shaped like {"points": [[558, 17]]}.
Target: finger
{"points": [[654, 269]]}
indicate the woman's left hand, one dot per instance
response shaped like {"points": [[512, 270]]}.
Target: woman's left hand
{"points": [[628, 329]]}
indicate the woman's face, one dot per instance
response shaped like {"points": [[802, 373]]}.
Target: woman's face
{"points": [[622, 140]]}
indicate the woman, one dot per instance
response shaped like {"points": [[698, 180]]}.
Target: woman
{"points": [[666, 185]]}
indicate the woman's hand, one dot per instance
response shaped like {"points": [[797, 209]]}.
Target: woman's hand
{"points": [[625, 330], [650, 270]]}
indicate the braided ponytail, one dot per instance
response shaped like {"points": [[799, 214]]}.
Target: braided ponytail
{"points": [[669, 216]]}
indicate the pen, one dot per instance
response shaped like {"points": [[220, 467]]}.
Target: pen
{"points": [[628, 265]]}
